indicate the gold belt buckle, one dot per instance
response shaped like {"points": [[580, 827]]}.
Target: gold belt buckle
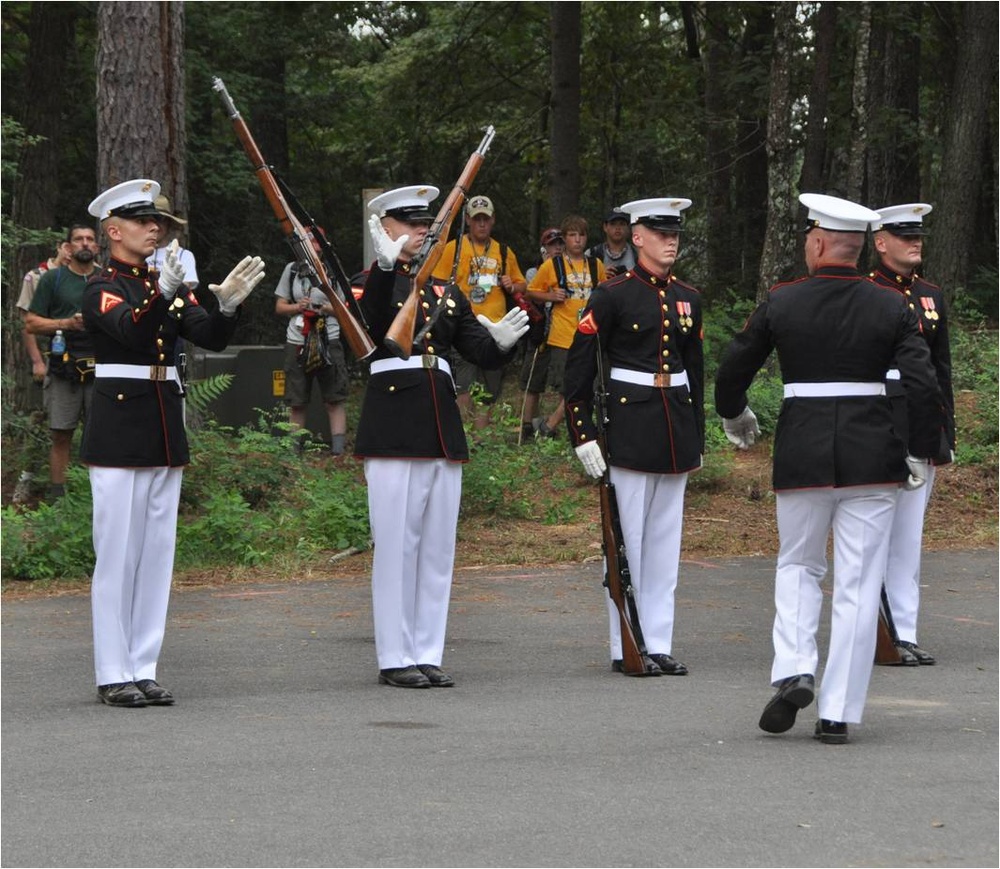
{"points": [[157, 372], [428, 361], [661, 381]]}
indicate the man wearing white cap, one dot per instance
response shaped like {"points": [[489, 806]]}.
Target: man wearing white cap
{"points": [[648, 323], [488, 273], [899, 239], [134, 440], [838, 462], [172, 227], [411, 438]]}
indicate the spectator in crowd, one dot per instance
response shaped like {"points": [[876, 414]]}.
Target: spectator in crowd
{"points": [[313, 352], [487, 272], [173, 227], [35, 351], [616, 251], [564, 282], [69, 381]]}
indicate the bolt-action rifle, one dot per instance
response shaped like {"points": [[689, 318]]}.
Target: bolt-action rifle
{"points": [[400, 336], [617, 578], [354, 333]]}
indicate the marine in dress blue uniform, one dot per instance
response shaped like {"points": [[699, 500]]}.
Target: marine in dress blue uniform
{"points": [[838, 461], [412, 440], [898, 238], [649, 325], [134, 440]]}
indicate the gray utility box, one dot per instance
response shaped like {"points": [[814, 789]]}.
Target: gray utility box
{"points": [[258, 382]]}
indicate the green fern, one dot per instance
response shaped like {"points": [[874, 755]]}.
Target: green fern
{"points": [[201, 393]]}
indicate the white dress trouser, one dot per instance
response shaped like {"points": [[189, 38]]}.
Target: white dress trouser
{"points": [[860, 518], [651, 507], [413, 509], [902, 572], [135, 531]]}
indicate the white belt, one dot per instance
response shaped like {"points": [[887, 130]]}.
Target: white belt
{"points": [[833, 389], [136, 372], [425, 360], [647, 378], [892, 374]]}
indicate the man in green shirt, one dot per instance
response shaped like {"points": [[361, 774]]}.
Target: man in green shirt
{"points": [[68, 385]]}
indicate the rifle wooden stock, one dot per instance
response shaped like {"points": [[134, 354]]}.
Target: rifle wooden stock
{"points": [[357, 338], [616, 579], [399, 338], [886, 638]]}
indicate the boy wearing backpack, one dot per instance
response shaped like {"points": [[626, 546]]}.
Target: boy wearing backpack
{"points": [[565, 282]]}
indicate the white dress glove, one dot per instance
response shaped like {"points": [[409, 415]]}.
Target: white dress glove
{"points": [[919, 471], [743, 429], [592, 459], [506, 331], [172, 273], [386, 250], [238, 284]]}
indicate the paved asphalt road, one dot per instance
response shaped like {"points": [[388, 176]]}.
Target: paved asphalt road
{"points": [[283, 751]]}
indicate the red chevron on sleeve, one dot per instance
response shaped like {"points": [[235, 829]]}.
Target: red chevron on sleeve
{"points": [[109, 300], [588, 325]]}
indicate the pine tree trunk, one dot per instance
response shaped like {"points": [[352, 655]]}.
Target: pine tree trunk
{"points": [[859, 105], [893, 106], [811, 180], [950, 249], [140, 96], [564, 173], [778, 256]]}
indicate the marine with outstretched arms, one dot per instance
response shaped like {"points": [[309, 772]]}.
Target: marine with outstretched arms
{"points": [[134, 441], [411, 437]]}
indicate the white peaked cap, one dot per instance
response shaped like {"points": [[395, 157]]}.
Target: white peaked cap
{"points": [[405, 203], [837, 215]]}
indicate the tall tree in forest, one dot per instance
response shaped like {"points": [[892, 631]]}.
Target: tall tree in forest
{"points": [[854, 186], [973, 95], [50, 32], [825, 28], [564, 155], [779, 254], [140, 96], [894, 105]]}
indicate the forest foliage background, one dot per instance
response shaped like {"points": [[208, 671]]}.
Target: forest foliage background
{"points": [[738, 106]]}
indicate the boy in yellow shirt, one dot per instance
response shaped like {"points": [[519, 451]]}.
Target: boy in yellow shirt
{"points": [[565, 282]]}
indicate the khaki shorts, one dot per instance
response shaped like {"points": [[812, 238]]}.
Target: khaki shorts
{"points": [[466, 374], [333, 381], [66, 401], [544, 368]]}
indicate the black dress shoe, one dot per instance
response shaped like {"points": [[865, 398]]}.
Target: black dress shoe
{"points": [[794, 693], [916, 652], [831, 732], [652, 669], [155, 694], [906, 657], [121, 694], [436, 676], [669, 666], [403, 677]]}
